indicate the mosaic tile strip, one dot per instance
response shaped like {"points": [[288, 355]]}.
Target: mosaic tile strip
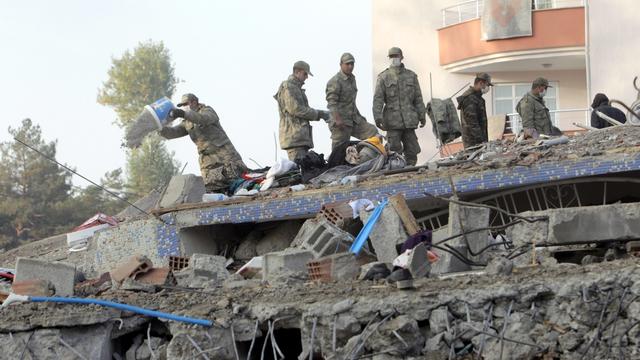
{"points": [[412, 188]]}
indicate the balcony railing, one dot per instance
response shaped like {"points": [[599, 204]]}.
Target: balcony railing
{"points": [[561, 119], [472, 9]]}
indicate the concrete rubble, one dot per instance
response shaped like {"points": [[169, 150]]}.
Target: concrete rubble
{"points": [[552, 284]]}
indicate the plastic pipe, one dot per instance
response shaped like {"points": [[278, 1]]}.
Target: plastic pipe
{"points": [[358, 243], [115, 305]]}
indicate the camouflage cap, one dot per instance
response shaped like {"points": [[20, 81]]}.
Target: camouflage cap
{"points": [[347, 58], [395, 51], [186, 98], [484, 76], [302, 65], [541, 82]]}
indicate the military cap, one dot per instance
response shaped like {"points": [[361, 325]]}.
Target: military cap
{"points": [[302, 66], [395, 51], [186, 98], [484, 76], [347, 58], [541, 82]]}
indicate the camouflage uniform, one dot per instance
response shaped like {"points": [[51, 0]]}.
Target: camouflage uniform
{"points": [[398, 108], [220, 163], [534, 113], [473, 116], [295, 114], [341, 100]]}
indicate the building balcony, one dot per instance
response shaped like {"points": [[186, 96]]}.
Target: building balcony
{"points": [[558, 40]]}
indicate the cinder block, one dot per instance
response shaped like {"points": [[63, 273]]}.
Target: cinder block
{"points": [[281, 264], [61, 275], [133, 266], [339, 214], [322, 238]]}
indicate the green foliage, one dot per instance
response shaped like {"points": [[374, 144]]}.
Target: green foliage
{"points": [[150, 166], [31, 187], [138, 79]]}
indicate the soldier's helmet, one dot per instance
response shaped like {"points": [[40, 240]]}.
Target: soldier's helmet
{"points": [[395, 51]]}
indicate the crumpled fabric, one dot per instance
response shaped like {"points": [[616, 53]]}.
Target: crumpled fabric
{"points": [[281, 167], [341, 171], [358, 205]]}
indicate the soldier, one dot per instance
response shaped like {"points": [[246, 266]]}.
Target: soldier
{"points": [[220, 163], [398, 107], [295, 113], [473, 112], [346, 120], [533, 112]]}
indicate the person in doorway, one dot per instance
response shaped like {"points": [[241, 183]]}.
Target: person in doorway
{"points": [[601, 103], [473, 112], [295, 130], [533, 111], [220, 163], [346, 120], [398, 107]]}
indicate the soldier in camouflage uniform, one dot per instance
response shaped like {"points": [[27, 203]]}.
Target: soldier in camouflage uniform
{"points": [[346, 120], [398, 107], [533, 112], [473, 112], [295, 113], [220, 163]]}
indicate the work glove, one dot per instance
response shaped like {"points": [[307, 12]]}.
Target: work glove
{"points": [[324, 115], [379, 124], [423, 122], [176, 113]]}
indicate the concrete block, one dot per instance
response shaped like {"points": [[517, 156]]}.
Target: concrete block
{"points": [[129, 269], [33, 288], [281, 264], [472, 218], [336, 267], [61, 275], [387, 234], [588, 224], [447, 263], [183, 189], [213, 264], [418, 263], [322, 238], [440, 320]]}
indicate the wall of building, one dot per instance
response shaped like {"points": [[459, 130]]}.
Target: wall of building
{"points": [[613, 30]]}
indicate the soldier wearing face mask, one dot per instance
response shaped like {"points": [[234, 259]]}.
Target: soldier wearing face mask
{"points": [[398, 107], [473, 112], [220, 163], [533, 112]]}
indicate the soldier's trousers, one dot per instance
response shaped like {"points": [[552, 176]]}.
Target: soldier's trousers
{"points": [[296, 152], [361, 130], [220, 168], [404, 141]]}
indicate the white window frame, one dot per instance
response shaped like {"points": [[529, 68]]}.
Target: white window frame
{"points": [[494, 98]]}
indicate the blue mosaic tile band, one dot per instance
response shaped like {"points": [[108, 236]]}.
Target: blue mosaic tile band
{"points": [[301, 205], [168, 240]]}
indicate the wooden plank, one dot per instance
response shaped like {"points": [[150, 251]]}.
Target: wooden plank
{"points": [[408, 220]]}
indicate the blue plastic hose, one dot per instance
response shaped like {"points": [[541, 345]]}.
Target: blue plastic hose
{"points": [[115, 305], [358, 243]]}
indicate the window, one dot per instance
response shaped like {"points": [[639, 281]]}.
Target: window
{"points": [[507, 96]]}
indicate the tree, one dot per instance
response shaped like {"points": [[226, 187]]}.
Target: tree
{"points": [[137, 79], [31, 186], [148, 167]]}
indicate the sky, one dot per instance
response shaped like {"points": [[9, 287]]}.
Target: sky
{"points": [[232, 54]]}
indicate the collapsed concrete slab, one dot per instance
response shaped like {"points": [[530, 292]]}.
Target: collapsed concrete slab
{"points": [[61, 275], [183, 189], [619, 222]]}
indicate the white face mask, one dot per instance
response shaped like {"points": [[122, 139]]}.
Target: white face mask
{"points": [[485, 90], [543, 93], [395, 61]]}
